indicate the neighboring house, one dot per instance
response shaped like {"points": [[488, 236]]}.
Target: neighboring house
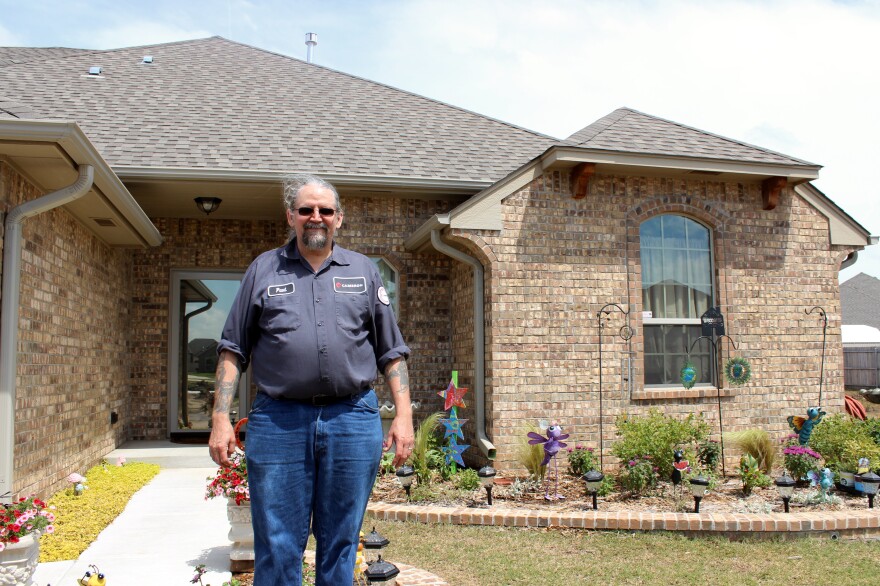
{"points": [[859, 303], [503, 244], [202, 355]]}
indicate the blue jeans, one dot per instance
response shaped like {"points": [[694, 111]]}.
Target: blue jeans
{"points": [[310, 465]]}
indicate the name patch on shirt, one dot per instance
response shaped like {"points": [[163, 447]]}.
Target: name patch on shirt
{"points": [[350, 284], [276, 290]]}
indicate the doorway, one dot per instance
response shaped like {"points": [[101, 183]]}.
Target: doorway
{"points": [[200, 302]]}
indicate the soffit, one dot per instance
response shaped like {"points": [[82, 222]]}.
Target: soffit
{"points": [[49, 168]]}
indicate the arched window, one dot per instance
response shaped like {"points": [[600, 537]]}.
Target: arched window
{"points": [[391, 279], [677, 288]]}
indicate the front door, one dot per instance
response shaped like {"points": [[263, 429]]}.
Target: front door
{"points": [[200, 304]]}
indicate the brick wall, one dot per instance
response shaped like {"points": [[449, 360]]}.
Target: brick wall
{"points": [[73, 343], [372, 225], [559, 260]]}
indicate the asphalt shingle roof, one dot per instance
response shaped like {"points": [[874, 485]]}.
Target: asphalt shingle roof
{"points": [[631, 131], [216, 104], [859, 300]]}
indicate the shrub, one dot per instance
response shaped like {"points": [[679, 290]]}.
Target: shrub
{"points": [[709, 454], [425, 440], [755, 443], [531, 456], [657, 435], [467, 479], [751, 474], [638, 475], [799, 460], [842, 440], [581, 460]]}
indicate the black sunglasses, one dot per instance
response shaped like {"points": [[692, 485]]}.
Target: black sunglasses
{"points": [[324, 212]]}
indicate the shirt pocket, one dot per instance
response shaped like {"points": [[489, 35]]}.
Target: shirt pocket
{"points": [[281, 313], [352, 311]]}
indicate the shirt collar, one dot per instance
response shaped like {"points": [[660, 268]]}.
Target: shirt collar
{"points": [[338, 255]]}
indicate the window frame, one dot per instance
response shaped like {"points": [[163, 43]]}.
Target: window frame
{"points": [[694, 321], [395, 297]]}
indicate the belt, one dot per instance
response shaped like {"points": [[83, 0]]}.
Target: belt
{"points": [[318, 400]]}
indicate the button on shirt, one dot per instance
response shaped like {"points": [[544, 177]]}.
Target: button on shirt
{"points": [[309, 333]]}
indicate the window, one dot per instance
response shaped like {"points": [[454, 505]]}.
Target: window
{"points": [[390, 279], [676, 257]]}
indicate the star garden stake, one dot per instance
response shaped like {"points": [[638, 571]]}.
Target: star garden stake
{"points": [[452, 396]]}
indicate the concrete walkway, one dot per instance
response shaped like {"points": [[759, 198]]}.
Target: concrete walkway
{"points": [[165, 531]]}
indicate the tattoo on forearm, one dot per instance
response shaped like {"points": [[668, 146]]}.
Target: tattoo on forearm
{"points": [[399, 371], [224, 391]]}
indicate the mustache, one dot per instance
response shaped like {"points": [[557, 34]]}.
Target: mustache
{"points": [[312, 225]]}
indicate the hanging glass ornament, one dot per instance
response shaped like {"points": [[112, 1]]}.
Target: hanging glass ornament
{"points": [[688, 374], [738, 371]]}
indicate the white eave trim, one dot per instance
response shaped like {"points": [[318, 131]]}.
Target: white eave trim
{"points": [[130, 173], [422, 235], [844, 230], [483, 210], [70, 137], [576, 155]]}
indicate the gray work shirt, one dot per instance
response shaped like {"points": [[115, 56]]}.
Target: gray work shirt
{"points": [[310, 333]]}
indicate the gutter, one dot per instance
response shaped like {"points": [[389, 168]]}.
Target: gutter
{"points": [[9, 312], [486, 446]]}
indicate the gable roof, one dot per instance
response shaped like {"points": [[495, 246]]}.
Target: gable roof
{"points": [[859, 300], [217, 104], [629, 131]]}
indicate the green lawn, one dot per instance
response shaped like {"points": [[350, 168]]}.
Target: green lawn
{"points": [[489, 556]]}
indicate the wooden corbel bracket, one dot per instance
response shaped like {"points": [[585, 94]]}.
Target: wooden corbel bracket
{"points": [[580, 179], [771, 188]]}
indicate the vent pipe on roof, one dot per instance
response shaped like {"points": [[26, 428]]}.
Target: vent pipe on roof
{"points": [[311, 42]]}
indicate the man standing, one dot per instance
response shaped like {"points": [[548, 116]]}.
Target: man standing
{"points": [[315, 323]]}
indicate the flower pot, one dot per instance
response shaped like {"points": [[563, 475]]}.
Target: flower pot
{"points": [[241, 534], [18, 561], [847, 482]]}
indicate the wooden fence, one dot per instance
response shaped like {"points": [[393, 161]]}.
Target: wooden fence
{"points": [[861, 367]]}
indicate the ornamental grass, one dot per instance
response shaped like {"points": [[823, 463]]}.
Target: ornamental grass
{"points": [[79, 519]]}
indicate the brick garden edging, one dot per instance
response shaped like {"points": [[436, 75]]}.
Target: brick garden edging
{"points": [[834, 524], [858, 524]]}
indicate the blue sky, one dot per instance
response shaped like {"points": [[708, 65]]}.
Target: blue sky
{"points": [[799, 77]]}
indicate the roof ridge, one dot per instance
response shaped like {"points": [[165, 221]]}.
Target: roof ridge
{"points": [[712, 134], [397, 89], [604, 123]]}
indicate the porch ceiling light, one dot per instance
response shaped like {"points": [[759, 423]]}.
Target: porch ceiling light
{"points": [[208, 204]]}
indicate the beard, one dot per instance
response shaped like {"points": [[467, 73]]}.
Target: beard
{"points": [[315, 240]]}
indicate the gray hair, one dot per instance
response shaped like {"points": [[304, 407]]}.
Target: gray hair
{"points": [[292, 184]]}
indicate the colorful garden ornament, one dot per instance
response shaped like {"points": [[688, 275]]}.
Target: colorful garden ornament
{"points": [[804, 427], [452, 396], [738, 371], [552, 444], [688, 375], [823, 482]]}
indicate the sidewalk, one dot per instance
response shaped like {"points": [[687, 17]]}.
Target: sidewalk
{"points": [[165, 531]]}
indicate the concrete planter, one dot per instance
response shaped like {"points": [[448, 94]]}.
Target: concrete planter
{"points": [[241, 534], [18, 562]]}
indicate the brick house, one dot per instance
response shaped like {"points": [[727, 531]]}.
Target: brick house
{"points": [[501, 245]]}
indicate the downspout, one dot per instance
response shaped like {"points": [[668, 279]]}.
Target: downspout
{"points": [[486, 446], [9, 314], [850, 260]]}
